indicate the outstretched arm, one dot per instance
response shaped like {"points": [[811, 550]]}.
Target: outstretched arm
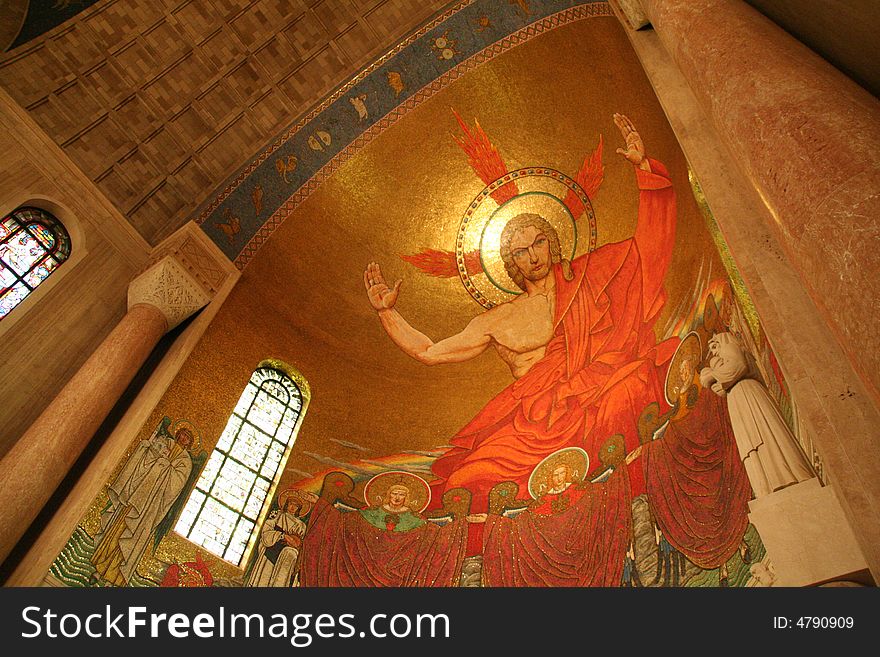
{"points": [[471, 342], [655, 232]]}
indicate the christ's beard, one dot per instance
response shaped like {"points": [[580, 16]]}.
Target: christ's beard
{"points": [[535, 276]]}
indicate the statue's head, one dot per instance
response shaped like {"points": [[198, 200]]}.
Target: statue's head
{"points": [[529, 245], [723, 348], [727, 359]]}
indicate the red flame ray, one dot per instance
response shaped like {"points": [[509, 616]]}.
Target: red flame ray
{"points": [[485, 159], [589, 177], [442, 263]]}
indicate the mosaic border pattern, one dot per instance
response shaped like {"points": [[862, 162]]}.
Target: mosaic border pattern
{"points": [[316, 111], [233, 197]]}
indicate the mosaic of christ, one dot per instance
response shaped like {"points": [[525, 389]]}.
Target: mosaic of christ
{"points": [[505, 305]]}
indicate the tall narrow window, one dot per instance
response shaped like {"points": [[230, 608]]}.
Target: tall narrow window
{"points": [[233, 491], [33, 244]]}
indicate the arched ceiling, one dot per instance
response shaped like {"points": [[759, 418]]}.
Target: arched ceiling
{"points": [[159, 103], [162, 103], [842, 31]]}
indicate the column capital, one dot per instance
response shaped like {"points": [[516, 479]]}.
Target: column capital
{"points": [[191, 247], [167, 286], [187, 271]]}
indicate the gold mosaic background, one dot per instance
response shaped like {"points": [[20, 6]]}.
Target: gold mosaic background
{"points": [[302, 298]]}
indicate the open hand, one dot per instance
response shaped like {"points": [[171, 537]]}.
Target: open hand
{"points": [[381, 296], [635, 148]]}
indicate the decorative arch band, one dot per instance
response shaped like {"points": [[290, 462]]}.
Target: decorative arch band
{"points": [[258, 199]]}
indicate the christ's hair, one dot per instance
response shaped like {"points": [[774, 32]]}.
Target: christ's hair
{"points": [[520, 222]]}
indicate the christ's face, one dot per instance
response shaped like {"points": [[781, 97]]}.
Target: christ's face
{"points": [[559, 476], [530, 249], [397, 497]]}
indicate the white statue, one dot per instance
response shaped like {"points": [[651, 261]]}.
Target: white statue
{"points": [[769, 451]]}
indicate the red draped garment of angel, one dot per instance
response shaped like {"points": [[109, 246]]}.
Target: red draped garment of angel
{"points": [[342, 549], [600, 368], [697, 486], [582, 545]]}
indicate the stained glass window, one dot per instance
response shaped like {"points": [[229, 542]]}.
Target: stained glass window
{"points": [[33, 244], [234, 487]]}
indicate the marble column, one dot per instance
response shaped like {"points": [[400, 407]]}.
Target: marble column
{"points": [[809, 140], [158, 300]]}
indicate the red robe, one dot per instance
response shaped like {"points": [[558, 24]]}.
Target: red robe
{"points": [[600, 369], [697, 486], [342, 549], [581, 545]]}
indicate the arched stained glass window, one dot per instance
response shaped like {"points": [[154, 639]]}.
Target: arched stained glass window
{"points": [[233, 492], [33, 244]]}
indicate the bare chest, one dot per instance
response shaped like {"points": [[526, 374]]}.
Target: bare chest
{"points": [[526, 325]]}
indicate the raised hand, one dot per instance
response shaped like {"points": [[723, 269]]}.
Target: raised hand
{"points": [[635, 148], [381, 296]]}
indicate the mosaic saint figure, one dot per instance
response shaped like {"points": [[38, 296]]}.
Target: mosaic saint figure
{"points": [[394, 512], [558, 485], [697, 489], [281, 541], [579, 341], [571, 534], [140, 497], [387, 543]]}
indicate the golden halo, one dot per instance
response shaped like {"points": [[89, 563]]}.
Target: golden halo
{"points": [[541, 191], [690, 347], [189, 426], [376, 490], [540, 203], [287, 493], [574, 457]]}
